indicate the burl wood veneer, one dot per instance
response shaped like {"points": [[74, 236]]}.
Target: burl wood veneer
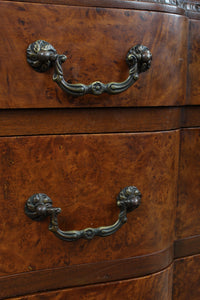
{"points": [[82, 151], [152, 287], [194, 63], [83, 175], [96, 41], [188, 209], [187, 278]]}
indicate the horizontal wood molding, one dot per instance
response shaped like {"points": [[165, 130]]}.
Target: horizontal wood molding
{"points": [[157, 286], [84, 274], [78, 275], [187, 246], [193, 15], [96, 120], [127, 4], [190, 116], [192, 8], [61, 121]]}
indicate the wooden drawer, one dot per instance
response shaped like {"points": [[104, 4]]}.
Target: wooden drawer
{"points": [[83, 175], [153, 287], [96, 41]]}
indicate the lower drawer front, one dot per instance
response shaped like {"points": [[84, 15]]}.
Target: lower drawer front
{"points": [[153, 287], [83, 175]]}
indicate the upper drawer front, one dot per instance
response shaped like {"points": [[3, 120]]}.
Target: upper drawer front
{"points": [[83, 174], [96, 42]]}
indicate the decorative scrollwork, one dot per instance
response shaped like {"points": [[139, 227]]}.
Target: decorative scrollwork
{"points": [[39, 206], [140, 55], [189, 6], [41, 56], [129, 198]]}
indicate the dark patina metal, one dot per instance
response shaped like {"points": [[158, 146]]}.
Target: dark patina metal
{"points": [[41, 56], [39, 206]]}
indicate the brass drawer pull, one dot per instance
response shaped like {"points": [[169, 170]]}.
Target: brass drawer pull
{"points": [[42, 55], [39, 206]]}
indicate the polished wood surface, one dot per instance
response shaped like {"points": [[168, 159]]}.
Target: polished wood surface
{"points": [[153, 287], [82, 151], [190, 116], [92, 120], [188, 209], [193, 86], [84, 274], [114, 4], [118, 30], [83, 175], [193, 11], [186, 278], [97, 120], [187, 246]]}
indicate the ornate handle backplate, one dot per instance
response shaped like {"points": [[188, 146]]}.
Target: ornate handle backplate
{"points": [[39, 206], [42, 55]]}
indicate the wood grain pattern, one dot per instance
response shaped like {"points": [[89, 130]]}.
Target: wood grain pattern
{"points": [[84, 172], [114, 4], [75, 33], [194, 12], [92, 120], [188, 210], [83, 175], [84, 274], [96, 120], [187, 246], [186, 278], [153, 287], [193, 85], [190, 116]]}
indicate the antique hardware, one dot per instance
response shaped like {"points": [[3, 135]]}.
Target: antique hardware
{"points": [[39, 206], [42, 55]]}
